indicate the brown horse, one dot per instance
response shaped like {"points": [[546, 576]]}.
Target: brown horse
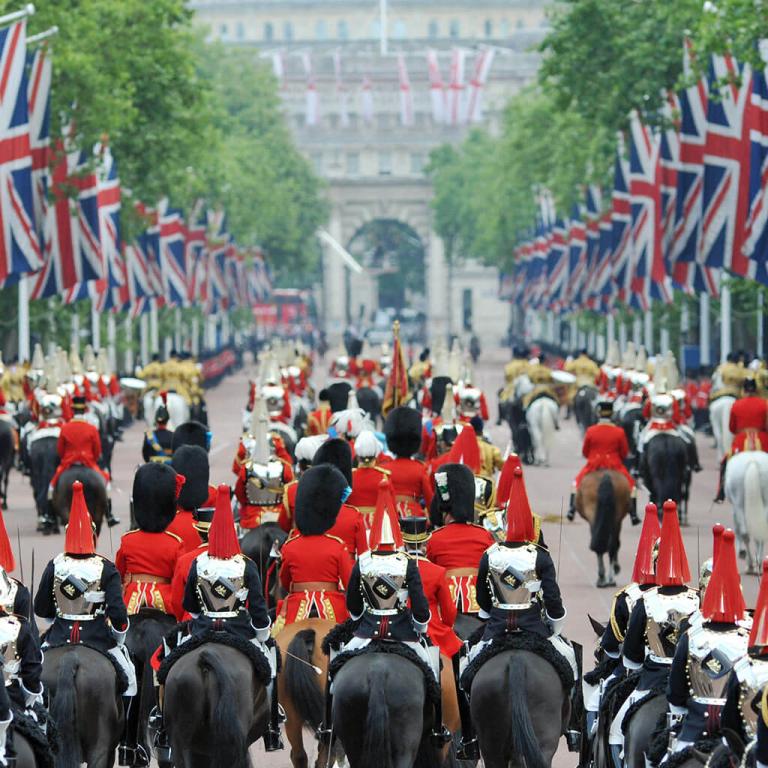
{"points": [[302, 690], [603, 500], [94, 489]]}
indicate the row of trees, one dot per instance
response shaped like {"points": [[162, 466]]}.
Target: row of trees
{"points": [[601, 59]]}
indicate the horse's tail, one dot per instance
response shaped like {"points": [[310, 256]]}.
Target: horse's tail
{"points": [[602, 530], [525, 745], [376, 751], [725, 430], [64, 713], [549, 422], [754, 514], [301, 680], [230, 743]]}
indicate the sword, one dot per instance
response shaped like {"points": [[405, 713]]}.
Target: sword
{"points": [[32, 590], [21, 559], [560, 545]]}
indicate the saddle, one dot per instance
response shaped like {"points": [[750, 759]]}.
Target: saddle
{"points": [[539, 396]]}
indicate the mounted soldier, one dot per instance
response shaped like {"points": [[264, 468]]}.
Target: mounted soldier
{"points": [[707, 653], [158, 441], [81, 593], [319, 419]]}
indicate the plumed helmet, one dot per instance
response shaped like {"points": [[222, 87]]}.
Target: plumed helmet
{"points": [[437, 390], [191, 433], [367, 445], [337, 452], [724, 600], [307, 447], [672, 565], [154, 493], [454, 494], [644, 570], [319, 497], [338, 394], [402, 429], [758, 637], [79, 536], [192, 462]]}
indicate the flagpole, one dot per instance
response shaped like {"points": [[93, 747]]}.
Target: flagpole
{"points": [[111, 341], [725, 322], [144, 338], [760, 330], [177, 328], [75, 330], [9, 18], [24, 350], [383, 27], [648, 331], [704, 336], [622, 335], [95, 327], [196, 336], [154, 331], [128, 333]]}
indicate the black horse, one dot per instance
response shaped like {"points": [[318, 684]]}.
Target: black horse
{"points": [[214, 708], [145, 634], [665, 471], [584, 407], [258, 544], [94, 489], [84, 702], [519, 708], [631, 421], [7, 452], [381, 715], [43, 461], [513, 413], [639, 729]]}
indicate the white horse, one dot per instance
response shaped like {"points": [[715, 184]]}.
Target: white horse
{"points": [[178, 408], [746, 488], [719, 418], [541, 416]]}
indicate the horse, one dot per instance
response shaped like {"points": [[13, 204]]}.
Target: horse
{"points": [[746, 488], [94, 489], [513, 413], [43, 461], [369, 399], [630, 419], [258, 544], [519, 708], [147, 629], [665, 472], [380, 713], [603, 500], [25, 755], [84, 701], [639, 730], [584, 407], [719, 418], [541, 416], [7, 453], [214, 708], [178, 408]]}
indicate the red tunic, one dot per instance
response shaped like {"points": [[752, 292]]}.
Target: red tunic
{"points": [[350, 528], [441, 605], [141, 555], [458, 547], [250, 514], [183, 525], [365, 490], [180, 576], [319, 420], [314, 560], [605, 447], [79, 443], [749, 420], [412, 484], [286, 516]]}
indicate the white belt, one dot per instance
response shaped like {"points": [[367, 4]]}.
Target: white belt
{"points": [[709, 702], [660, 659], [79, 616], [221, 614], [384, 611], [513, 606]]}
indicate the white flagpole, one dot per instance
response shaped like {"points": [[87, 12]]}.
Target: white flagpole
{"points": [[622, 335], [383, 27], [112, 341], [9, 18], [24, 346], [144, 338], [177, 328], [154, 330], [196, 336], [128, 333], [95, 327], [648, 331], [704, 335], [725, 322], [760, 333], [75, 330]]}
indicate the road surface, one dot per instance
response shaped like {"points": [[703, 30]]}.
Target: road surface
{"points": [[548, 490]]}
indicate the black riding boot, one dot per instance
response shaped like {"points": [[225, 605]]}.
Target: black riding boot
{"points": [[693, 456], [272, 739], [161, 743], [633, 511], [720, 498], [440, 735], [571, 514], [130, 752], [469, 749], [112, 518], [325, 733]]}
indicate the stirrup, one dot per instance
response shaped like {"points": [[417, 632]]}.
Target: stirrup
{"points": [[161, 744], [468, 750], [324, 734], [135, 757], [273, 741], [440, 737], [573, 740]]}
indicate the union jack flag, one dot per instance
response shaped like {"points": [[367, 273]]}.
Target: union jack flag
{"points": [[109, 294], [621, 225], [148, 242], [670, 165], [593, 206], [19, 242], [140, 290], [557, 266], [602, 282], [39, 99], [577, 258], [173, 257], [194, 253], [730, 119], [649, 278], [259, 281]]}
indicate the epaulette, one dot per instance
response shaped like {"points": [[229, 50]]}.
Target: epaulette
{"points": [[292, 536], [335, 538], [617, 633], [174, 535], [536, 529], [764, 706], [382, 470]]}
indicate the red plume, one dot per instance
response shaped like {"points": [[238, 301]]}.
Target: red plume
{"points": [[386, 506], [643, 572], [7, 560], [758, 637], [222, 538], [465, 449], [180, 480], [79, 537], [672, 565], [519, 515], [717, 539], [164, 397], [723, 599], [505, 479]]}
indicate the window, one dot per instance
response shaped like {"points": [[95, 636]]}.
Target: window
{"points": [[385, 163], [453, 29], [399, 31], [488, 27], [321, 31], [353, 164], [433, 30], [417, 163], [223, 31], [269, 31], [342, 30], [504, 28], [240, 30], [288, 30]]}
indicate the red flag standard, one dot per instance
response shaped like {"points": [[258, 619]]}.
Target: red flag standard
{"points": [[396, 392]]}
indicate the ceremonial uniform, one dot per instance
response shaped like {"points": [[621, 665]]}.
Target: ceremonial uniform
{"points": [[319, 420], [490, 457], [79, 444], [411, 483], [190, 461], [350, 528], [286, 516], [584, 369], [749, 424], [157, 445], [259, 489], [727, 380], [605, 447], [183, 527], [180, 577], [442, 607], [365, 490]]}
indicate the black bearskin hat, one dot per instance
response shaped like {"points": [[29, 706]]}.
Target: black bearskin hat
{"points": [[454, 486], [337, 452], [319, 499], [324, 396], [354, 347], [192, 462], [154, 497], [437, 390], [402, 429], [190, 433], [338, 394]]}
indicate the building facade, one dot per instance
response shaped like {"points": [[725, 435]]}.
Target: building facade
{"points": [[367, 109]]}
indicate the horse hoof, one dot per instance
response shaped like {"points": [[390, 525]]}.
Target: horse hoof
{"points": [[616, 568], [602, 583]]}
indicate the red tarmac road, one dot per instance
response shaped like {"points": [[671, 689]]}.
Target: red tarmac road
{"points": [[548, 490]]}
